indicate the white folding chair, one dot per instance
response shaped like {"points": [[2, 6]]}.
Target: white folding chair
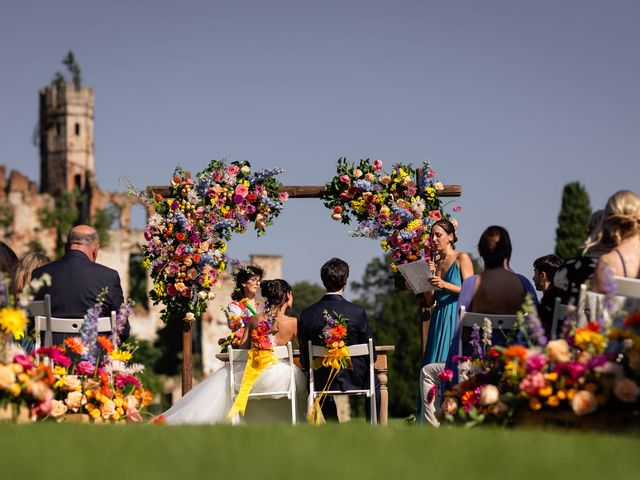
{"points": [[469, 319], [69, 326], [359, 350], [282, 352], [42, 308], [628, 287], [559, 313]]}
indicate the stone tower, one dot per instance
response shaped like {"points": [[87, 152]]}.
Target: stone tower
{"points": [[66, 139]]}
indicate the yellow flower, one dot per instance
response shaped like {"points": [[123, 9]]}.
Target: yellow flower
{"points": [[146, 263], [118, 402], [394, 267], [58, 370], [553, 401], [545, 391], [385, 245], [122, 355], [535, 404], [562, 395], [552, 376], [13, 321], [95, 413], [14, 389], [159, 289], [414, 224]]}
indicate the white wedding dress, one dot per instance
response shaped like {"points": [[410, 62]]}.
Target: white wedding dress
{"points": [[210, 401]]}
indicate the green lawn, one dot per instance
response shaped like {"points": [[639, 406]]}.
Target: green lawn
{"points": [[352, 450]]}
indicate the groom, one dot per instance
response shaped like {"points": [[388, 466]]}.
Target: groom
{"points": [[334, 275]]}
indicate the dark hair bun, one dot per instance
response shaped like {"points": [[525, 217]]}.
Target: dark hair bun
{"points": [[275, 291]]}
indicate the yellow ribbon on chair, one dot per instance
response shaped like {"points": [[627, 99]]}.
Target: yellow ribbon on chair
{"points": [[257, 362], [336, 358]]}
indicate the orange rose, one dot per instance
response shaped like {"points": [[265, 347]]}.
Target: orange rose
{"points": [[584, 402]]}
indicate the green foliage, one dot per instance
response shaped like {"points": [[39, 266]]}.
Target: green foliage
{"points": [[6, 218], [394, 317], [304, 295], [103, 221], [138, 281], [69, 61], [572, 220], [62, 217]]}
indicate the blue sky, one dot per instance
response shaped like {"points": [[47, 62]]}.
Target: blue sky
{"points": [[511, 99]]}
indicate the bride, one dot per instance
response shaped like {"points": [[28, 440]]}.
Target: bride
{"points": [[210, 401]]}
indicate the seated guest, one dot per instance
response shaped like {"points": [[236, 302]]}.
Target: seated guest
{"points": [[76, 280], [544, 270], [25, 268], [622, 224], [496, 290], [576, 271]]}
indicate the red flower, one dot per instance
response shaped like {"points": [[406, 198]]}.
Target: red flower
{"points": [[435, 214], [252, 197], [632, 320], [180, 236]]}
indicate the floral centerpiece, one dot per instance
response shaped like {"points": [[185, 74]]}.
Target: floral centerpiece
{"points": [[93, 374], [394, 206], [186, 236], [595, 367], [24, 383], [334, 333]]}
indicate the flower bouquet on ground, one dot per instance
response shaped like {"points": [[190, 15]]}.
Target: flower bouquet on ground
{"points": [[395, 206], [25, 384], [594, 368], [186, 236], [92, 374]]}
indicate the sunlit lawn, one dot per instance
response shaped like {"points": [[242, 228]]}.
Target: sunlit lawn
{"points": [[352, 450]]}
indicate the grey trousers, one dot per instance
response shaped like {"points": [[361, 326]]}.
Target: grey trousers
{"points": [[429, 378]]}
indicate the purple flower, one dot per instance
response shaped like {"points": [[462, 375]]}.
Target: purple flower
{"points": [[457, 208], [574, 370], [475, 341], [238, 198]]}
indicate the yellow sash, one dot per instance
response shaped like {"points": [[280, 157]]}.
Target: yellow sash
{"points": [[334, 359], [257, 362]]}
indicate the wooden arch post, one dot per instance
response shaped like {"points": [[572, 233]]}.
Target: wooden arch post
{"points": [[304, 191]]}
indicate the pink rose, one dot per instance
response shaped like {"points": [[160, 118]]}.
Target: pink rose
{"points": [[435, 214], [283, 196], [377, 165], [457, 208], [431, 173], [446, 375], [345, 179], [232, 170], [241, 190], [84, 368]]}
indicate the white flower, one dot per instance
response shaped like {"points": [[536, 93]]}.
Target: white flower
{"points": [[245, 169], [438, 186], [418, 205]]}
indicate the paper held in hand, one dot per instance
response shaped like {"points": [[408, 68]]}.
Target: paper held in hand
{"points": [[417, 275]]}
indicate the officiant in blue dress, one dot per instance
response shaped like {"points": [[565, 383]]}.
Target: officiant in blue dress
{"points": [[451, 269]]}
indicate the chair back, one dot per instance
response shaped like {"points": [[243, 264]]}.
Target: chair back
{"points": [[69, 326], [358, 350], [559, 313], [42, 308], [628, 287], [281, 352], [469, 319]]}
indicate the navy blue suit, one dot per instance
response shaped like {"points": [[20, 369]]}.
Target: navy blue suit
{"points": [[310, 327], [76, 283]]}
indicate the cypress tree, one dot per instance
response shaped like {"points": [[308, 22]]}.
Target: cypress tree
{"points": [[572, 220]]}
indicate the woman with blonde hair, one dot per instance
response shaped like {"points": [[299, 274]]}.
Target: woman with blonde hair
{"points": [[621, 224], [25, 268]]}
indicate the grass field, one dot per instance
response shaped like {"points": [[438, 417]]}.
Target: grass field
{"points": [[355, 450]]}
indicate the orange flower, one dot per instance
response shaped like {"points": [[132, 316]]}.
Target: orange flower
{"points": [[105, 343], [338, 331], [144, 397], [159, 420], [515, 351], [74, 344]]}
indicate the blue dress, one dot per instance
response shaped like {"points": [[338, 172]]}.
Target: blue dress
{"points": [[443, 319]]}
